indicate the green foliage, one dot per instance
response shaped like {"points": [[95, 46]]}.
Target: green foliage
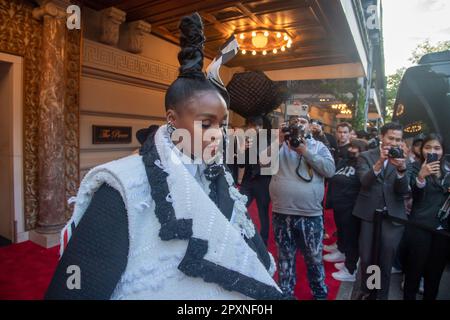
{"points": [[426, 47], [392, 85], [342, 89], [358, 112]]}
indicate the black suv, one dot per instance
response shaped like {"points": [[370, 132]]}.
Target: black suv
{"points": [[423, 99]]}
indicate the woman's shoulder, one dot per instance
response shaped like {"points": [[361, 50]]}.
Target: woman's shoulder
{"points": [[121, 174]]}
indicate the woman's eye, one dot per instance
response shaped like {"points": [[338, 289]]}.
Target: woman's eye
{"points": [[206, 125]]}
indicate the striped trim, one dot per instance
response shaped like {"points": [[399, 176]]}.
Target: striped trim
{"points": [[66, 235]]}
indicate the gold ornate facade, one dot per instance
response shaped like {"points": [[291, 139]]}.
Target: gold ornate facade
{"points": [[23, 35]]}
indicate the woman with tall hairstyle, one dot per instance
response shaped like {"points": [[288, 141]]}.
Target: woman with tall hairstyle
{"points": [[159, 225]]}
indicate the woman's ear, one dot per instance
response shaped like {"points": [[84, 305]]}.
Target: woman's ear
{"points": [[171, 117]]}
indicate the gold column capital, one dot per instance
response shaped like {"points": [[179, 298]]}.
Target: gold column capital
{"points": [[52, 8]]}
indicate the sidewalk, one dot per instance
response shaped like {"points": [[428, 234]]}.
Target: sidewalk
{"points": [[396, 293]]}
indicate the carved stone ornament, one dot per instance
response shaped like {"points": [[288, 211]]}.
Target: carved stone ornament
{"points": [[111, 19], [136, 32]]}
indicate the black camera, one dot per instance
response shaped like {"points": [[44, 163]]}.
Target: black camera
{"points": [[295, 135], [373, 143], [395, 153]]}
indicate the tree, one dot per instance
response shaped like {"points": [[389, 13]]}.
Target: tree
{"points": [[393, 81], [358, 113], [392, 85], [426, 47]]}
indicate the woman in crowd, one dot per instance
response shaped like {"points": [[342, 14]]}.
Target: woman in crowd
{"points": [[343, 190], [427, 251], [160, 226]]}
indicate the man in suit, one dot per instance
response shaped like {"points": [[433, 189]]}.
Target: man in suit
{"points": [[384, 183]]}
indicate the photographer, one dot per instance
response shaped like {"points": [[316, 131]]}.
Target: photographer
{"points": [[427, 252], [384, 182], [297, 192], [373, 140], [327, 139]]}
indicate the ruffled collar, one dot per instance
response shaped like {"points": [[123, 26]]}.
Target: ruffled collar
{"points": [[219, 250]]}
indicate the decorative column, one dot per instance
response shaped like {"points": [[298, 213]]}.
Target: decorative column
{"points": [[52, 196], [136, 32], [111, 20]]}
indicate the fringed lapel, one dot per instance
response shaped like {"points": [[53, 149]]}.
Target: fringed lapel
{"points": [[216, 252]]}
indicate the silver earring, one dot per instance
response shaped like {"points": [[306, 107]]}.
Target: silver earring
{"points": [[170, 127]]}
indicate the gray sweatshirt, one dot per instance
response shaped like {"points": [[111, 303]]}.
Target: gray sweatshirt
{"points": [[292, 195]]}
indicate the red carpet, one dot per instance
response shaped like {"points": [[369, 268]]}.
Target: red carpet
{"points": [[302, 291], [26, 268]]}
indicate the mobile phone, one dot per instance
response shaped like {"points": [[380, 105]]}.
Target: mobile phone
{"points": [[432, 157]]}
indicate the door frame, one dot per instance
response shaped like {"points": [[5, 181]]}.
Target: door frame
{"points": [[18, 217]]}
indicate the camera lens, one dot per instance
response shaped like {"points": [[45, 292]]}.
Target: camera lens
{"points": [[395, 153], [295, 142]]}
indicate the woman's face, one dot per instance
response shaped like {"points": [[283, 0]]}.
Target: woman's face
{"points": [[203, 116], [432, 146]]}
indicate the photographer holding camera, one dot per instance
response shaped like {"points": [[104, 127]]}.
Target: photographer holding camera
{"points": [[384, 183], [427, 252], [297, 192], [316, 128]]}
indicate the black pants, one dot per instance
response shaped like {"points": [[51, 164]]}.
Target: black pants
{"points": [[391, 234], [426, 257], [258, 188], [347, 226]]}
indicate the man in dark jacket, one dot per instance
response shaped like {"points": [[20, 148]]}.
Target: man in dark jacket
{"points": [[254, 185], [384, 183]]}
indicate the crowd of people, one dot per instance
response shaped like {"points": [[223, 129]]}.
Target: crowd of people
{"points": [[364, 174]]}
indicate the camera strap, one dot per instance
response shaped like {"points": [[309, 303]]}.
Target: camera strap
{"points": [[310, 171]]}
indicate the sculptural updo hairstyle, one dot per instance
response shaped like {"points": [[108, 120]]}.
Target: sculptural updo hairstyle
{"points": [[191, 78]]}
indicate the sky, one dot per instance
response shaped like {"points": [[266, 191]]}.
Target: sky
{"points": [[406, 23]]}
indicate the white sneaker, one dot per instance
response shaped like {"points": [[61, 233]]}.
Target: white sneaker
{"points": [[339, 265], [330, 248], [344, 275], [336, 256]]}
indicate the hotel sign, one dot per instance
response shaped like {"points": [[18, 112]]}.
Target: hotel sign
{"points": [[111, 134]]}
